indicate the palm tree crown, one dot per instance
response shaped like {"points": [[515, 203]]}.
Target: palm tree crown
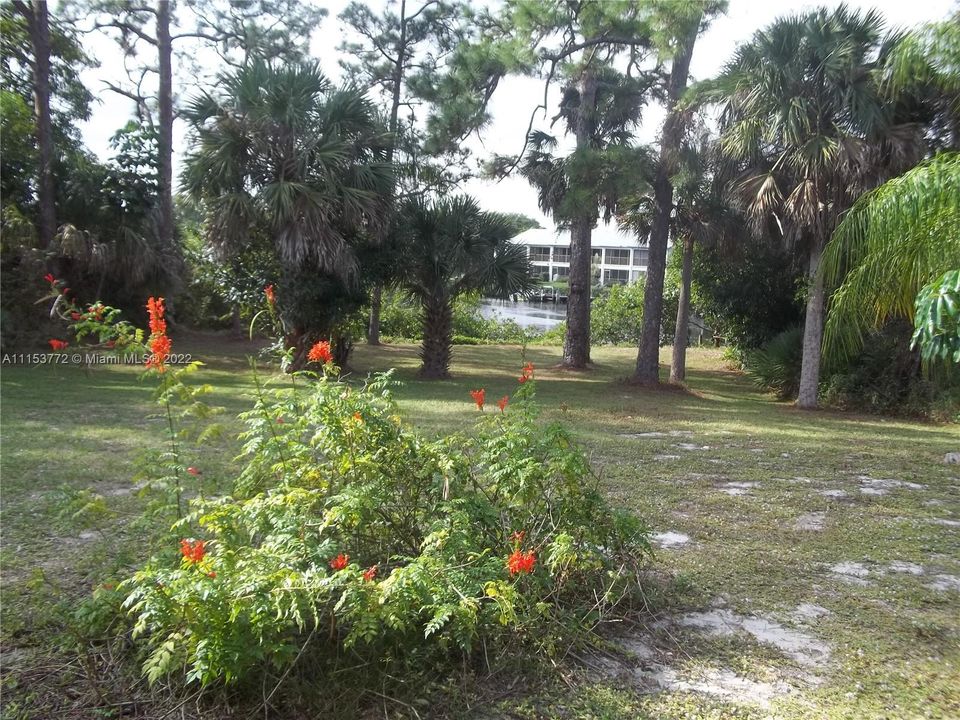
{"points": [[279, 148], [451, 247]]}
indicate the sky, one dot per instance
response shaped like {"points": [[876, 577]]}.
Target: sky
{"points": [[515, 98]]}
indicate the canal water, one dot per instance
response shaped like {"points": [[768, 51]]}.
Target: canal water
{"points": [[532, 315]]}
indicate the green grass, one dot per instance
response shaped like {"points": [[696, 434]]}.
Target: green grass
{"points": [[895, 642]]}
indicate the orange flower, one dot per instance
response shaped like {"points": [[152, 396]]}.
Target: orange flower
{"points": [[50, 278], [340, 562], [193, 551], [156, 309], [159, 342], [370, 573], [358, 417], [57, 345], [320, 352], [518, 536], [211, 574], [75, 316], [502, 402], [521, 562], [527, 372], [271, 295], [160, 350], [194, 471], [478, 397]]}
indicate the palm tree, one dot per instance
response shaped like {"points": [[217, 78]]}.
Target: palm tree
{"points": [[804, 115], [895, 240], [452, 247], [281, 146], [279, 151]]}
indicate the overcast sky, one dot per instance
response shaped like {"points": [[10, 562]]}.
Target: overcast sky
{"points": [[515, 98]]}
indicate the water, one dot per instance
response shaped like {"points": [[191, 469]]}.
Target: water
{"points": [[532, 315]]}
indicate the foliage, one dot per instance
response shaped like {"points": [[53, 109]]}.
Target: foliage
{"points": [[70, 98], [394, 53], [616, 317], [937, 319], [924, 66], [885, 377], [749, 295], [345, 522], [280, 148], [895, 240], [776, 365]]}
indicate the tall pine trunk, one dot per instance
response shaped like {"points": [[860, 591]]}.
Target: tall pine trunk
{"points": [[576, 343], [678, 364], [812, 333], [165, 134], [39, 25], [437, 339], [648, 354], [376, 297]]}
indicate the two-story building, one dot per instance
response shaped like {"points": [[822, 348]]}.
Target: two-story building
{"points": [[617, 257]]}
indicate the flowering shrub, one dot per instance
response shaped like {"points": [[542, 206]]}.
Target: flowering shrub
{"points": [[346, 522], [100, 327]]}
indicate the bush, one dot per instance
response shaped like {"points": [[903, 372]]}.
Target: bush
{"points": [[345, 522], [776, 365], [616, 315], [886, 377]]}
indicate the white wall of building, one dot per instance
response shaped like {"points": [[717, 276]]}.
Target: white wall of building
{"points": [[619, 257]]}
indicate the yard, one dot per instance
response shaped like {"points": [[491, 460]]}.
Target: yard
{"points": [[808, 563]]}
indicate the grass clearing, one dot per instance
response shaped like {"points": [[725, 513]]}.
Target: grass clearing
{"points": [[674, 457]]}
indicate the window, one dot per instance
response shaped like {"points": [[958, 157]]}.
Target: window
{"points": [[618, 256], [543, 273], [641, 257], [561, 254], [596, 256], [539, 254], [561, 272], [616, 277]]}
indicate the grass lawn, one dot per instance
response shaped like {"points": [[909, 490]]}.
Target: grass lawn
{"points": [[809, 563]]}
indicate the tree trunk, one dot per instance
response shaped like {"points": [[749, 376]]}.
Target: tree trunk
{"points": [[648, 354], [437, 339], [678, 366], [373, 330], [576, 343], [39, 25], [165, 134], [812, 334], [236, 321]]}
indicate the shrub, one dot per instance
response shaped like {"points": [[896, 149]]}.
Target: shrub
{"points": [[776, 365], [345, 522], [616, 315], [886, 377]]}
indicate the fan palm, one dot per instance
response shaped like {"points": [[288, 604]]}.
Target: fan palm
{"points": [[451, 247], [277, 147], [803, 114]]}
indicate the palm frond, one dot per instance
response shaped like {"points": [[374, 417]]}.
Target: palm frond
{"points": [[894, 240]]}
